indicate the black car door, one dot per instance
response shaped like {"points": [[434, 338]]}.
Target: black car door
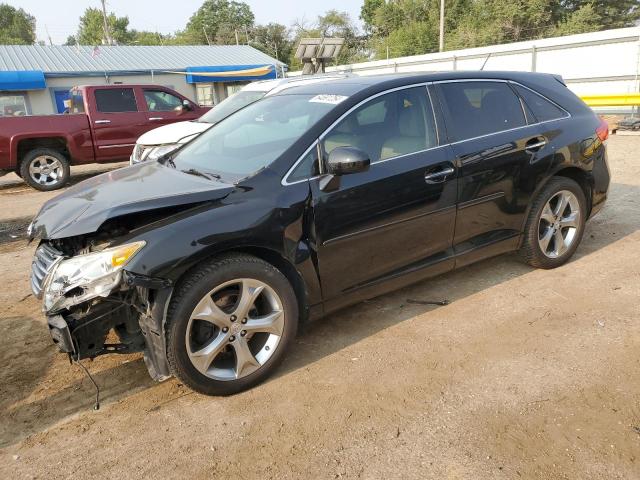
{"points": [[401, 212], [494, 148]]}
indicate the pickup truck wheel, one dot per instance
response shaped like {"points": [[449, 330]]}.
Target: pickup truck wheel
{"points": [[229, 324], [45, 169]]}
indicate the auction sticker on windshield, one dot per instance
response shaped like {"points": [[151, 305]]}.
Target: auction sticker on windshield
{"points": [[332, 99]]}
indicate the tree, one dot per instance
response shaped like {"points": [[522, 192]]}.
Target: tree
{"points": [[218, 21], [414, 38], [368, 14], [610, 13], [272, 39], [142, 37], [489, 22], [17, 27], [70, 41], [585, 19], [408, 27], [91, 31]]}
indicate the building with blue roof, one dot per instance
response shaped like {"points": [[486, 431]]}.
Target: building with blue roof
{"points": [[35, 79]]}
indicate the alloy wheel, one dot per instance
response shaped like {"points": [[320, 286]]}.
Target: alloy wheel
{"points": [[235, 329], [46, 170], [559, 223]]}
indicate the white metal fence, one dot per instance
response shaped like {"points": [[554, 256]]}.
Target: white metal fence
{"points": [[592, 63]]}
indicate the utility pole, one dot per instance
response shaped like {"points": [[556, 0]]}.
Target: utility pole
{"points": [[442, 25], [206, 35], [105, 24], [48, 36]]}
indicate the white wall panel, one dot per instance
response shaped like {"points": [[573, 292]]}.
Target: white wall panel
{"points": [[602, 62]]}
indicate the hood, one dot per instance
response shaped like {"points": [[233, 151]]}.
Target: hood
{"points": [[143, 187], [173, 133]]}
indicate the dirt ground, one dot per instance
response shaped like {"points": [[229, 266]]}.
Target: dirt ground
{"points": [[525, 374]]}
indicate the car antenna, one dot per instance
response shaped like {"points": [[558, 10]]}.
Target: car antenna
{"points": [[485, 61]]}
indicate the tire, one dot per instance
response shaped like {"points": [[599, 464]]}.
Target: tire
{"points": [[205, 356], [551, 237], [45, 169]]}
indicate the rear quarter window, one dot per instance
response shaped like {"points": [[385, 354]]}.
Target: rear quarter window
{"points": [[541, 108]]}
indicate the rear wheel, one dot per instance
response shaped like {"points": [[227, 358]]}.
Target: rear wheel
{"points": [[230, 324], [45, 169], [555, 224]]}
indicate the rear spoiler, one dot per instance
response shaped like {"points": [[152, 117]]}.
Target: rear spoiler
{"points": [[559, 79]]}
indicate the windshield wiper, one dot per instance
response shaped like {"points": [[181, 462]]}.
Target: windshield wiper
{"points": [[198, 173]]}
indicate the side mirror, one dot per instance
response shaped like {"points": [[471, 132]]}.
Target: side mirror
{"points": [[186, 105], [347, 160]]}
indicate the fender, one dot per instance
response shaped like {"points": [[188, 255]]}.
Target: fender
{"points": [[73, 143], [278, 234], [554, 170]]}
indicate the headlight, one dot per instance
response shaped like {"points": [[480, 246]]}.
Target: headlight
{"points": [[146, 152], [78, 279]]}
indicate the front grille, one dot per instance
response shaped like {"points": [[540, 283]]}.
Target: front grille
{"points": [[43, 260]]}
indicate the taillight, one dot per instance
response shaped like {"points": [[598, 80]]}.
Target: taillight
{"points": [[603, 130]]}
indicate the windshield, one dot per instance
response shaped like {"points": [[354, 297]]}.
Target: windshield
{"points": [[230, 105], [252, 138]]}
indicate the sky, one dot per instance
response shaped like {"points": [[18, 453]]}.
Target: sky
{"points": [[60, 17]]}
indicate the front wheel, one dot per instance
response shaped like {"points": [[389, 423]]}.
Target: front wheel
{"points": [[555, 225], [230, 324]]}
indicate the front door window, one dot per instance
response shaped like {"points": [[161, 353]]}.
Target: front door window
{"points": [[392, 125]]}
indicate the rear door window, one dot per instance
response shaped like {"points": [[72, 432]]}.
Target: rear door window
{"points": [[474, 109], [115, 100], [541, 108]]}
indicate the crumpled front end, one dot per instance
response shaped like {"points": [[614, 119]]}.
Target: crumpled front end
{"points": [[95, 307]]}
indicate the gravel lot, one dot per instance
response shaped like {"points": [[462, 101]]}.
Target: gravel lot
{"points": [[526, 374]]}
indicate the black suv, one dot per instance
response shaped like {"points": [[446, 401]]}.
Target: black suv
{"points": [[321, 196]]}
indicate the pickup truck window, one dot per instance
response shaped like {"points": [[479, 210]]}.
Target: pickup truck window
{"points": [[114, 100], [75, 104], [160, 101]]}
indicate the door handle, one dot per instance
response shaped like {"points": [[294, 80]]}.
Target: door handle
{"points": [[98, 122], [153, 119], [535, 144], [439, 176]]}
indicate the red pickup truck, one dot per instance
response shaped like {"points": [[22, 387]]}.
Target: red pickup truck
{"points": [[101, 124]]}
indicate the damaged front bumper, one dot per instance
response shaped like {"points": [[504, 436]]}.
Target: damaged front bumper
{"points": [[126, 318], [137, 320]]}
